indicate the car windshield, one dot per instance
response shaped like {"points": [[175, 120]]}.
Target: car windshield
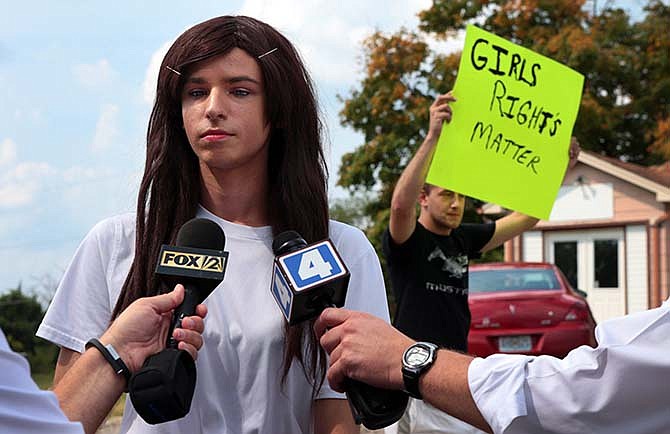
{"points": [[519, 279]]}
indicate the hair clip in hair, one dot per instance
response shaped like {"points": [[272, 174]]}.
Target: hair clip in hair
{"points": [[173, 70], [269, 52]]}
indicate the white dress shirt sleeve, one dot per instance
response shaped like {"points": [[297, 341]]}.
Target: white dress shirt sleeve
{"points": [[24, 408], [619, 387]]}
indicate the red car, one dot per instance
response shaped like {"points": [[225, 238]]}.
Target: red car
{"points": [[526, 308]]}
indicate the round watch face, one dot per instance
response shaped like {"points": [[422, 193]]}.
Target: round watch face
{"points": [[416, 356]]}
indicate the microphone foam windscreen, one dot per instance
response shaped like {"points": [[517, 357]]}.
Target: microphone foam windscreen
{"points": [[287, 240], [202, 234]]}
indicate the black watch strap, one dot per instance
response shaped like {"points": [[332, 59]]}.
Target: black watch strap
{"points": [[412, 385], [413, 369], [112, 357]]}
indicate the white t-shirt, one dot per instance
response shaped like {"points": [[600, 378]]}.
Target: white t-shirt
{"points": [[620, 387], [239, 387], [24, 408]]}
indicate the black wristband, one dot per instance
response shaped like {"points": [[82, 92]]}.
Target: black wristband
{"points": [[110, 354]]}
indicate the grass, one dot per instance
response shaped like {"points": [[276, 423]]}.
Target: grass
{"points": [[117, 410], [44, 380]]}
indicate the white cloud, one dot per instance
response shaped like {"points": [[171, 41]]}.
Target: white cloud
{"points": [[96, 74], [19, 186], [447, 46], [78, 174], [32, 183], [105, 191], [327, 34], [151, 75], [106, 129], [7, 152]]}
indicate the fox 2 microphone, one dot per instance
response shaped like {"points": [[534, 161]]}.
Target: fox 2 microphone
{"points": [[305, 280], [163, 388]]}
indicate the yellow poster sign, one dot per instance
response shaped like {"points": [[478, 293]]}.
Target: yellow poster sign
{"points": [[508, 139]]}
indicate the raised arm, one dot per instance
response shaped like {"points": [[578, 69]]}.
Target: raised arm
{"points": [[406, 192], [509, 227]]}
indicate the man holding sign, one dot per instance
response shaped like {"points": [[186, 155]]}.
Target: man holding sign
{"points": [[428, 258]]}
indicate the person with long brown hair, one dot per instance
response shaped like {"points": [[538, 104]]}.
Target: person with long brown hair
{"points": [[234, 136]]}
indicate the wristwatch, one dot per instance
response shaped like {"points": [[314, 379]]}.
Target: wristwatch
{"points": [[416, 360]]}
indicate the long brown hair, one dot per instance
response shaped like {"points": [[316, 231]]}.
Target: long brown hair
{"points": [[170, 190]]}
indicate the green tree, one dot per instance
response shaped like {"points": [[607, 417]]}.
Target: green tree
{"points": [[351, 210], [20, 315], [624, 109], [653, 103]]}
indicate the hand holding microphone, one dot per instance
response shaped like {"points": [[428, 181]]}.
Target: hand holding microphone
{"points": [[306, 280], [141, 331], [163, 389], [370, 349]]}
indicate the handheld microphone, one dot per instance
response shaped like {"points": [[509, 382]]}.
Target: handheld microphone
{"points": [[163, 388], [305, 280]]}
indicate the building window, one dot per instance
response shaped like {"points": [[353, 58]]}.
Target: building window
{"points": [[606, 263], [565, 258]]}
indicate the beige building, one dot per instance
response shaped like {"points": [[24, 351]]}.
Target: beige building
{"points": [[609, 231]]}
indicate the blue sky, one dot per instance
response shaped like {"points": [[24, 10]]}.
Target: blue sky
{"points": [[76, 85]]}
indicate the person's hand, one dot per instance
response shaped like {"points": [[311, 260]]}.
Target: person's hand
{"points": [[361, 347], [141, 330], [573, 152], [440, 112]]}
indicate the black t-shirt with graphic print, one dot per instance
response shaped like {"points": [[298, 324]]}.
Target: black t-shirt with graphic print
{"points": [[429, 278]]}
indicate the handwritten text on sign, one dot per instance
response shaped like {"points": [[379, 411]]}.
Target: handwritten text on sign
{"points": [[509, 136]]}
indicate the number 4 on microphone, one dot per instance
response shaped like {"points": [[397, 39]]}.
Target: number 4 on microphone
{"points": [[313, 265], [308, 279]]}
